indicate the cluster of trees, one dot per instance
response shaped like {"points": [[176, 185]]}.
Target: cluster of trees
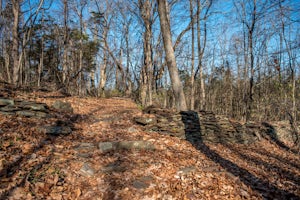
{"points": [[238, 57]]}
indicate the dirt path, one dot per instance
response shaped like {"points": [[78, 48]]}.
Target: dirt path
{"points": [[35, 166]]}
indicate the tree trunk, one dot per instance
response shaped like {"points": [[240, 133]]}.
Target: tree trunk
{"points": [[170, 56], [80, 76], [192, 106], [201, 52], [103, 67], [66, 43], [15, 41], [146, 77], [102, 81], [251, 89], [8, 74], [128, 89], [251, 51], [40, 67]]}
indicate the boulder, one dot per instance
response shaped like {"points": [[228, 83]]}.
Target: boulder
{"points": [[62, 106]]}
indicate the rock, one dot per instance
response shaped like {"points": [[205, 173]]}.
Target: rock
{"points": [[113, 167], [30, 113], [5, 102], [9, 108], [186, 170], [85, 150], [86, 170], [62, 106], [7, 113], [135, 145], [85, 155], [39, 114], [56, 130], [37, 107], [145, 120], [26, 113], [85, 146], [106, 146], [142, 182], [132, 130], [128, 145]]}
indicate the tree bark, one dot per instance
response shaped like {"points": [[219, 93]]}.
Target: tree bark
{"points": [[66, 42], [170, 56], [201, 50], [146, 76], [193, 59], [15, 41], [251, 51]]}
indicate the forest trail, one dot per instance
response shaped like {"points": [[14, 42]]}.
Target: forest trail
{"points": [[34, 165]]}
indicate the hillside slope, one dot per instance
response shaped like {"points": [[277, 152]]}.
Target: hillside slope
{"points": [[104, 157]]}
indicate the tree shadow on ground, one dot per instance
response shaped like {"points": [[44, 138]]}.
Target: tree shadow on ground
{"points": [[25, 161], [288, 175], [271, 134], [123, 172], [278, 158], [263, 187], [11, 172]]}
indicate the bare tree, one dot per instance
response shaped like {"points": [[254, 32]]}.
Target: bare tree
{"points": [[15, 44], [65, 41], [79, 8], [201, 46], [170, 57], [145, 7], [192, 106]]}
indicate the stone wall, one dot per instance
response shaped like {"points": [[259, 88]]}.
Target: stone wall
{"points": [[39, 111], [205, 126]]}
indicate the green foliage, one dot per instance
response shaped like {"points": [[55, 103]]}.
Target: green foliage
{"points": [[76, 35]]}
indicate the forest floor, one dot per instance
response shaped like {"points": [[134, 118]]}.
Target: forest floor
{"points": [[34, 165]]}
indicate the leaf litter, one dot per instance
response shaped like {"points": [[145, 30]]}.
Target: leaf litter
{"points": [[34, 165]]}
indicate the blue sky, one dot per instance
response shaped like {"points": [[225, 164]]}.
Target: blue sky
{"points": [[222, 25]]}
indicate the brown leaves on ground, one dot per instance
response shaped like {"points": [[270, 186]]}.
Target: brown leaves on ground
{"points": [[36, 166]]}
